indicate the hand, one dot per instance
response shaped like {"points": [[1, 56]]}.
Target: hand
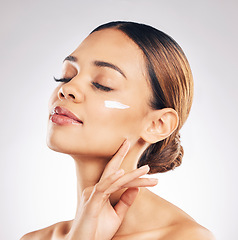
{"points": [[98, 219]]}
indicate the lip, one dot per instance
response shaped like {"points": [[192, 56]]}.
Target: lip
{"points": [[63, 116]]}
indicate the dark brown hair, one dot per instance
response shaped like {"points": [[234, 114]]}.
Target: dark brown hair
{"points": [[171, 82]]}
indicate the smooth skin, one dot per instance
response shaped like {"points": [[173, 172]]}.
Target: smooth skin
{"points": [[113, 201]]}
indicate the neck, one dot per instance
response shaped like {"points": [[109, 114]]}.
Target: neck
{"points": [[89, 171]]}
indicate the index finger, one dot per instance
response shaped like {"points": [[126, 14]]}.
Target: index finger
{"points": [[114, 164]]}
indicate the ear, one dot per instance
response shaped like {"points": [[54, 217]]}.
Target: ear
{"points": [[159, 125]]}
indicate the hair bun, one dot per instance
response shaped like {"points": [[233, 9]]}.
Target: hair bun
{"points": [[164, 155]]}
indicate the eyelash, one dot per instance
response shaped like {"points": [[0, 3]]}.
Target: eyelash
{"points": [[95, 84]]}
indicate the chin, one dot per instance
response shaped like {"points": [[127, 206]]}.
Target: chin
{"points": [[55, 146], [60, 144], [62, 141]]}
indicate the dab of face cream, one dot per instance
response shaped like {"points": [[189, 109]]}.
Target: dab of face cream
{"points": [[115, 104]]}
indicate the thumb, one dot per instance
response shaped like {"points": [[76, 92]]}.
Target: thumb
{"points": [[126, 200]]}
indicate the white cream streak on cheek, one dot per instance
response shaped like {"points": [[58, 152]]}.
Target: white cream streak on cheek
{"points": [[115, 104]]}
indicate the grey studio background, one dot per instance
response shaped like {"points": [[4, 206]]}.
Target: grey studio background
{"points": [[38, 186]]}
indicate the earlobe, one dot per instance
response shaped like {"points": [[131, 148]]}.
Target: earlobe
{"points": [[160, 124]]}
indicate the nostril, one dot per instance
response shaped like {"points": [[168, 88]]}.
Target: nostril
{"points": [[71, 95], [66, 92]]}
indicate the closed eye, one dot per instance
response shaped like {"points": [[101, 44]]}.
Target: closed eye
{"points": [[62, 79], [95, 84], [101, 87]]}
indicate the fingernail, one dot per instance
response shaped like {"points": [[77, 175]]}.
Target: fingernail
{"points": [[145, 167]]}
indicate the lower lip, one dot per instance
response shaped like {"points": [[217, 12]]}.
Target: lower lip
{"points": [[63, 120]]}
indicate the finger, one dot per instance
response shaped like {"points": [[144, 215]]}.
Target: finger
{"points": [[126, 200], [127, 178], [141, 182], [115, 162], [98, 195]]}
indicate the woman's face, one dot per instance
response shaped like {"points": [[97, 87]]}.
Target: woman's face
{"points": [[107, 66]]}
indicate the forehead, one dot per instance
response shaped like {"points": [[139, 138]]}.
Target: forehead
{"points": [[112, 45]]}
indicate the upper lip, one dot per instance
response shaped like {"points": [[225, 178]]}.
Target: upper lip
{"points": [[65, 112]]}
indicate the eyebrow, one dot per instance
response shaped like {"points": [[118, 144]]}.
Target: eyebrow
{"points": [[109, 65], [98, 64]]}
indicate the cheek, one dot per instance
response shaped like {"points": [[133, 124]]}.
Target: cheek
{"points": [[107, 128], [114, 118], [115, 104]]}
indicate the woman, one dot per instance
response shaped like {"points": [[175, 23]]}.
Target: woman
{"points": [[125, 93]]}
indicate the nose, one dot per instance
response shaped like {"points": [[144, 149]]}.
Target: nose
{"points": [[69, 92]]}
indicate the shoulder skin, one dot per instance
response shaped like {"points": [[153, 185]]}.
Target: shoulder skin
{"points": [[183, 231], [191, 231], [54, 231]]}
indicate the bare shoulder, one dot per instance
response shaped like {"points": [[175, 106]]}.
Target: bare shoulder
{"points": [[182, 231], [55, 231], [45, 233], [165, 221], [189, 230]]}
